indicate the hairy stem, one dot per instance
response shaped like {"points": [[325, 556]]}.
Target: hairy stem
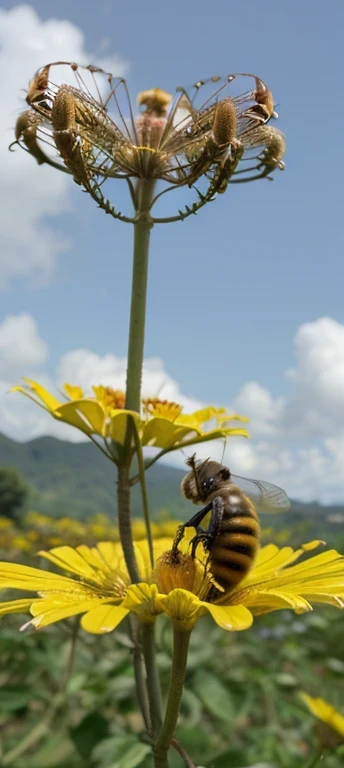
{"points": [[179, 662]]}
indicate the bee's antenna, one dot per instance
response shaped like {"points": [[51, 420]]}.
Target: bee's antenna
{"points": [[191, 462]]}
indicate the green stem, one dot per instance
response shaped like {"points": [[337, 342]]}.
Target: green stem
{"points": [[142, 230], [140, 679], [124, 522], [144, 495], [179, 662], [153, 682]]}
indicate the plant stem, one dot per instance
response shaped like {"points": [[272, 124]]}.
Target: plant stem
{"points": [[179, 662], [144, 495], [124, 522], [153, 682], [142, 229], [140, 679]]}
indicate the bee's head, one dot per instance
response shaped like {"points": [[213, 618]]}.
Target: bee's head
{"points": [[205, 478]]}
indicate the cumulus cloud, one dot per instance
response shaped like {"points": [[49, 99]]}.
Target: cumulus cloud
{"points": [[297, 440], [29, 193]]}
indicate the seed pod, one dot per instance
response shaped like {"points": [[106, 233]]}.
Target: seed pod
{"points": [[38, 86], [225, 122], [274, 144], [264, 99], [26, 131], [72, 148], [63, 111]]}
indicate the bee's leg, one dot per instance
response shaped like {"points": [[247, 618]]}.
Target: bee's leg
{"points": [[206, 537], [194, 522]]}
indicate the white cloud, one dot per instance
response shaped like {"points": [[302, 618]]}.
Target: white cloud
{"points": [[297, 440], [20, 345], [29, 193]]}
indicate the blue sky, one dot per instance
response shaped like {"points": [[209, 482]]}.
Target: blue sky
{"points": [[228, 290]]}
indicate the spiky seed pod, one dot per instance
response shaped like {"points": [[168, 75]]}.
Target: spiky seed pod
{"points": [[156, 100], [63, 110], [72, 148], [274, 143], [26, 131], [225, 123], [38, 85]]}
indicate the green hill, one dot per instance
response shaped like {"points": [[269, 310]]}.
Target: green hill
{"points": [[76, 480]]}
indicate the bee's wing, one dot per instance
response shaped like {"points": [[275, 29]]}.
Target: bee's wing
{"points": [[265, 496]]}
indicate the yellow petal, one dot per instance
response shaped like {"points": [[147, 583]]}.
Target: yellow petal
{"points": [[325, 712], [103, 619], [142, 599], [73, 392], [183, 607], [70, 560], [87, 415], [231, 617], [15, 606], [32, 579], [163, 433], [117, 425], [49, 400], [47, 610]]}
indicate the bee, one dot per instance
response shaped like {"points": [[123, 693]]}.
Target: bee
{"points": [[233, 534]]}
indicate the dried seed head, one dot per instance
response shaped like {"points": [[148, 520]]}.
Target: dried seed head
{"points": [[225, 121], [38, 85], [156, 100], [63, 110]]}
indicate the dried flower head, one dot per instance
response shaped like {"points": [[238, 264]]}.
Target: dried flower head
{"points": [[199, 137]]}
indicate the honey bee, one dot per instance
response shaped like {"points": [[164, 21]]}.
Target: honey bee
{"points": [[233, 534]]}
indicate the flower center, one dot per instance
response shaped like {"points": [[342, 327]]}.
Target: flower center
{"points": [[165, 408], [112, 399]]}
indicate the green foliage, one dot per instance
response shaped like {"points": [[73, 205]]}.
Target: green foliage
{"points": [[240, 708], [13, 492]]}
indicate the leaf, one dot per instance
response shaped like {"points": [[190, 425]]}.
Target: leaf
{"points": [[13, 698], [215, 698], [235, 758], [92, 729], [134, 756]]}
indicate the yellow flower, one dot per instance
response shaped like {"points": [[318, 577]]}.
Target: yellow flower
{"points": [[99, 586], [162, 424], [328, 715]]}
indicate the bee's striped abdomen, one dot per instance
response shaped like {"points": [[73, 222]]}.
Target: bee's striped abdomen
{"points": [[233, 550]]}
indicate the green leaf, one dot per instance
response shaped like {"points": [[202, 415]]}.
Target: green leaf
{"points": [[13, 698], [134, 756], [92, 729], [235, 758], [215, 698]]}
